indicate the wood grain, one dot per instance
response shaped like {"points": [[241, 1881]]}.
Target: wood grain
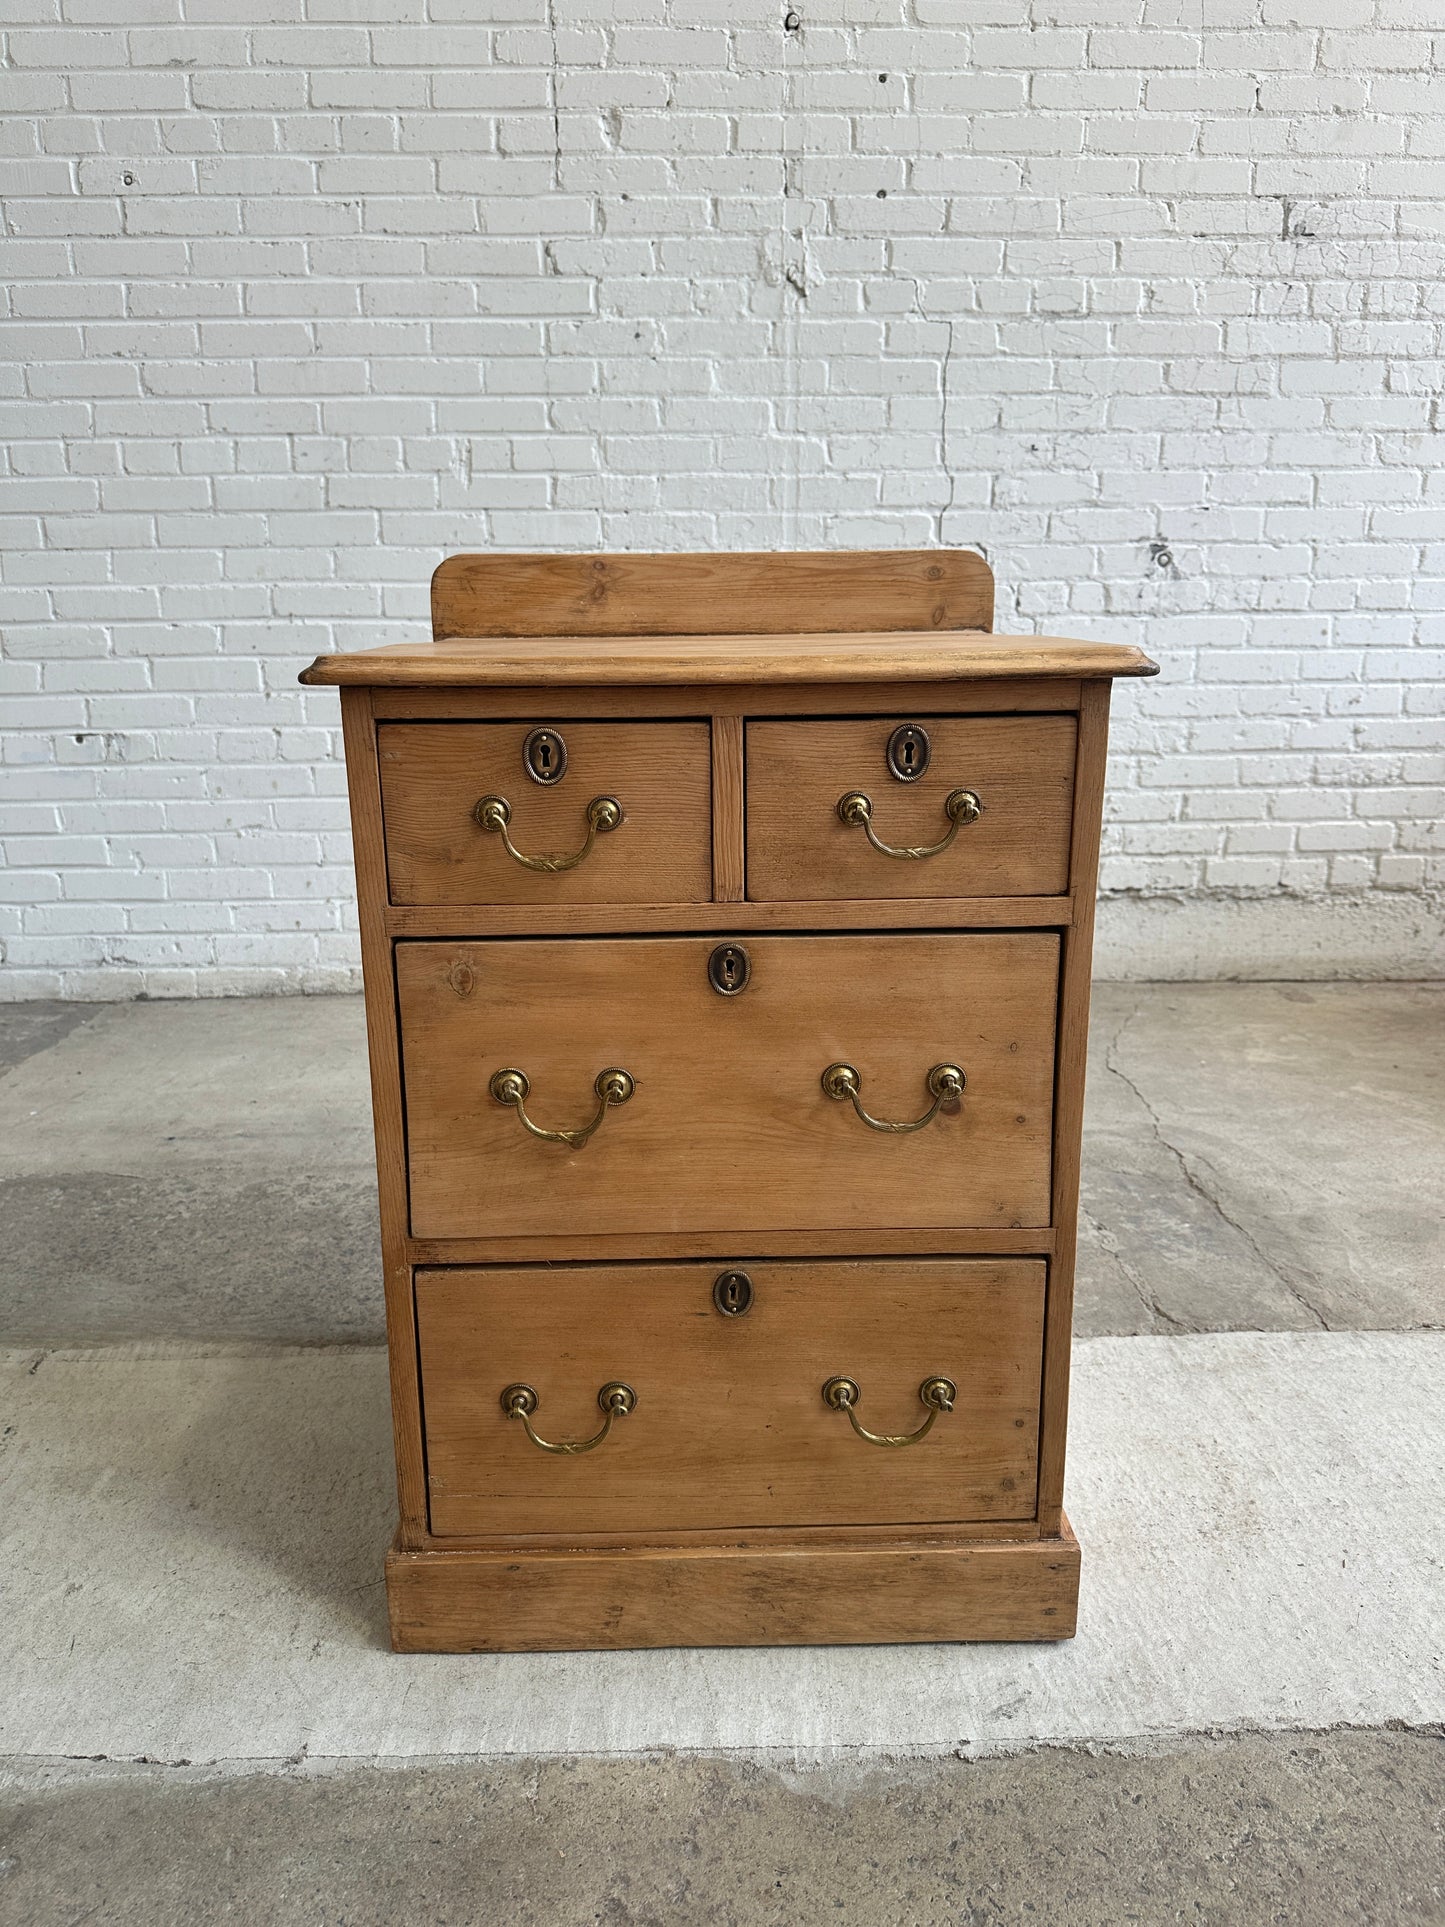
{"points": [[728, 918], [729, 1130], [1074, 986], [566, 1601], [816, 1242], [593, 700], [1022, 768], [386, 1103], [871, 657], [728, 839], [690, 594], [730, 1428], [772, 1538], [432, 775]]}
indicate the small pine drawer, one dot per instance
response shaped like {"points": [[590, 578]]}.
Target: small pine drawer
{"points": [[867, 807], [545, 813], [626, 1398]]}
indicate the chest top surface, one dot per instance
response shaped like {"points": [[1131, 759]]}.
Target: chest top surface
{"points": [[861, 657], [854, 616]]}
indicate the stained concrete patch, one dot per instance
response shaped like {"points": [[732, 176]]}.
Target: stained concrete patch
{"points": [[192, 1170], [207, 1252], [190, 1570], [1305, 1829], [260, 1083], [28, 1028], [1268, 1155], [1156, 1252]]}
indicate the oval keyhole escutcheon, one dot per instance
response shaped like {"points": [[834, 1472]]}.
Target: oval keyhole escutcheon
{"points": [[908, 752], [544, 756], [733, 1293], [728, 969]]}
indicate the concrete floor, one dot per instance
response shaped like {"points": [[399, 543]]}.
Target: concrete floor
{"points": [[191, 1509], [1260, 1829]]}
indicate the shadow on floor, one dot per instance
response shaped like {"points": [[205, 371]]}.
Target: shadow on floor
{"points": [[285, 1462]]}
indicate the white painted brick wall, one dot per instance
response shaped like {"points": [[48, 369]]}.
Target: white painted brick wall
{"points": [[1143, 297]]}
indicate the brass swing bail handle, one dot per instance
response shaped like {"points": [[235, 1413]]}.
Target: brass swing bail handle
{"points": [[615, 1400], [945, 1082], [937, 1394], [494, 813], [960, 807], [613, 1086]]}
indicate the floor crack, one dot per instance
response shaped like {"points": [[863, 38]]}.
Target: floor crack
{"points": [[1192, 1178], [1110, 1244]]}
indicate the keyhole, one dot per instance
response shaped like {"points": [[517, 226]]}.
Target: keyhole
{"points": [[544, 756], [733, 1293], [728, 969], [908, 752]]}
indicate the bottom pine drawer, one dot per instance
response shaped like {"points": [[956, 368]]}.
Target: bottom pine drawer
{"points": [[727, 1424]]}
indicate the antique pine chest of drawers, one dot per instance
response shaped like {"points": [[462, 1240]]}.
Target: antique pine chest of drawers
{"points": [[726, 926]]}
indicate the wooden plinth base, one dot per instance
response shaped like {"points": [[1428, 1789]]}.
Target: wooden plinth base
{"points": [[581, 1600]]}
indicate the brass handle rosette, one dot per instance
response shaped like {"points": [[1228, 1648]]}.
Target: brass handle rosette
{"points": [[945, 1084], [935, 1394], [613, 1086], [615, 1400], [960, 807], [494, 813]]}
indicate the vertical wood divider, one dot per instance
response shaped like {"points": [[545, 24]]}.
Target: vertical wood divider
{"points": [[728, 836], [1075, 978], [364, 782]]}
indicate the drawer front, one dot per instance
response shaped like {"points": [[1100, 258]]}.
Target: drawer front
{"points": [[1020, 768], [728, 1127], [434, 775], [730, 1427]]}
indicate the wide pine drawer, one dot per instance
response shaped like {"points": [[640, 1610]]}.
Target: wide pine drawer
{"points": [[728, 1425], [728, 1126]]}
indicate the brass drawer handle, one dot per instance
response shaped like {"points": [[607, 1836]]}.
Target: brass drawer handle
{"points": [[612, 1087], [938, 1394], [945, 1081], [615, 1399], [960, 806], [494, 813]]}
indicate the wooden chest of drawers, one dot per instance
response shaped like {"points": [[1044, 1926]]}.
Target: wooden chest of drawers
{"points": [[726, 926]]}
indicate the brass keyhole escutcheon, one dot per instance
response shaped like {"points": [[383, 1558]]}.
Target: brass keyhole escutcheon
{"points": [[728, 969], [544, 756], [733, 1293], [909, 751]]}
